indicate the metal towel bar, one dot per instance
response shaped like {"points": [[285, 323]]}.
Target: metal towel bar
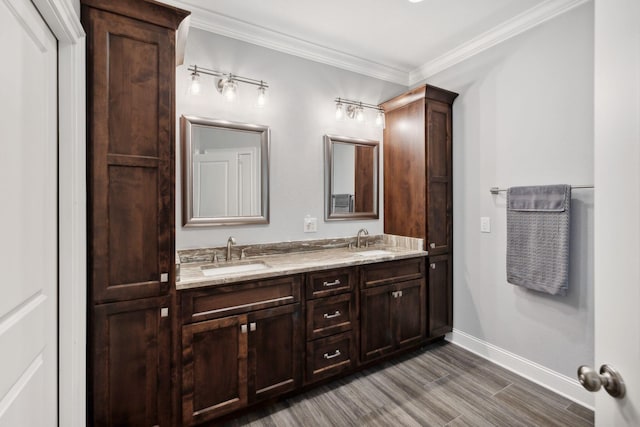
{"points": [[496, 190]]}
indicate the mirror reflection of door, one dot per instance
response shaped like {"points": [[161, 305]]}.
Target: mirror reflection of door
{"points": [[364, 179], [225, 182]]}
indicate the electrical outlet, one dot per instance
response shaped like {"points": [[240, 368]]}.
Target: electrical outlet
{"points": [[310, 224], [485, 224]]}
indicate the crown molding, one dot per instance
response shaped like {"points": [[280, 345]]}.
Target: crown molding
{"points": [[237, 29], [241, 30], [508, 29]]}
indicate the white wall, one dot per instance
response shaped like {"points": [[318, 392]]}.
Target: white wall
{"points": [[300, 111], [524, 117]]}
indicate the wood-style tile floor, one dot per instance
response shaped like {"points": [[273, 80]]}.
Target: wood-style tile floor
{"points": [[439, 385]]}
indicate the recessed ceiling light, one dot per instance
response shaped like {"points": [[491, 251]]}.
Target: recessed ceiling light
{"points": [[415, 1]]}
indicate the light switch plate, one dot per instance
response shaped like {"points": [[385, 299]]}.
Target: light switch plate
{"points": [[310, 224], [485, 224]]}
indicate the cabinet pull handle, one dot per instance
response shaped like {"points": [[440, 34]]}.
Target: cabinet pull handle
{"points": [[252, 326], [432, 245], [331, 316], [243, 329], [331, 356], [396, 294], [164, 277], [164, 312], [334, 283], [433, 265]]}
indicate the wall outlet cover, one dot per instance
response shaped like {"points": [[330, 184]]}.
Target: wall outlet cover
{"points": [[310, 224]]}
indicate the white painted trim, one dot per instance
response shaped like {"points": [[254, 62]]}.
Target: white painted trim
{"points": [[558, 383], [508, 29], [237, 29], [72, 274]]}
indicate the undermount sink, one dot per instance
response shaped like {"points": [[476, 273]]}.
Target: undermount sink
{"points": [[222, 269], [373, 252]]}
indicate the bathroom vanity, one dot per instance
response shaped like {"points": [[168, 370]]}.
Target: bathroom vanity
{"points": [[303, 318]]}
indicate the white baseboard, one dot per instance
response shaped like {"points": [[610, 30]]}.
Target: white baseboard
{"points": [[554, 381]]}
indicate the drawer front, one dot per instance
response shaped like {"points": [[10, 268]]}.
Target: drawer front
{"points": [[332, 282], [392, 271], [215, 302], [331, 315], [330, 356]]}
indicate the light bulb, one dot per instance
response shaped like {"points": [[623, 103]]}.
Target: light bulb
{"points": [[229, 90], [380, 119], [339, 111], [194, 86], [262, 97], [360, 114]]}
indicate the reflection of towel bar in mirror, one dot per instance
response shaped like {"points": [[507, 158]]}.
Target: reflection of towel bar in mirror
{"points": [[496, 190]]}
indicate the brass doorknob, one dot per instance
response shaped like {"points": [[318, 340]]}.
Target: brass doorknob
{"points": [[608, 378]]}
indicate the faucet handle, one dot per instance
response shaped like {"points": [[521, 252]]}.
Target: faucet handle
{"points": [[243, 253], [215, 257]]}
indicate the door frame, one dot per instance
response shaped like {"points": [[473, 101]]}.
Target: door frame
{"points": [[62, 16]]}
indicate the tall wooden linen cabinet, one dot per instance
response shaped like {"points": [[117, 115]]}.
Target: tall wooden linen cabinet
{"points": [[418, 188], [130, 209]]}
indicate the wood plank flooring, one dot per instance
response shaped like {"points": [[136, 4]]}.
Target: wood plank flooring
{"points": [[439, 385]]}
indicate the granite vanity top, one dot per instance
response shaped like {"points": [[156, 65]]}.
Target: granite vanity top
{"points": [[387, 249]]}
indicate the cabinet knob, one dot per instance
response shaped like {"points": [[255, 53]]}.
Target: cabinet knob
{"points": [[164, 277], [433, 265], [432, 245], [252, 326], [243, 329], [164, 312]]}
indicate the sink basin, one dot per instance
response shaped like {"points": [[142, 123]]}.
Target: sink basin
{"points": [[222, 269], [373, 252]]}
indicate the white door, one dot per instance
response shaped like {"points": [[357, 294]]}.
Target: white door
{"points": [[28, 218], [617, 205]]}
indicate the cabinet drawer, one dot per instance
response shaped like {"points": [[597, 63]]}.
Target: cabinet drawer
{"points": [[331, 315], [332, 282], [329, 356], [223, 301], [392, 271]]}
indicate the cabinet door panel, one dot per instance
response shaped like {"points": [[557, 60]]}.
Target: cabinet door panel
{"points": [[275, 351], [410, 313], [439, 178], [376, 337], [130, 156], [214, 376], [440, 299], [131, 363]]}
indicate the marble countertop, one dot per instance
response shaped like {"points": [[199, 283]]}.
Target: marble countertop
{"points": [[192, 276]]}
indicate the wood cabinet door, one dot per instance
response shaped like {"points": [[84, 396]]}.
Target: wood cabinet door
{"points": [[214, 368], [440, 298], [130, 151], [409, 313], [439, 178], [376, 324], [275, 351], [131, 364]]}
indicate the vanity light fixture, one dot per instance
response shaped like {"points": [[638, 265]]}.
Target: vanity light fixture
{"points": [[227, 84], [355, 110]]}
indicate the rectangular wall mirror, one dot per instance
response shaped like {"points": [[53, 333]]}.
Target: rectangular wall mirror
{"points": [[225, 172], [351, 178]]}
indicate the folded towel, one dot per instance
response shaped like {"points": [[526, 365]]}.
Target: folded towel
{"points": [[538, 237]]}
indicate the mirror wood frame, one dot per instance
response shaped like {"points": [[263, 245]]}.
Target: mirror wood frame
{"points": [[329, 141], [187, 123]]}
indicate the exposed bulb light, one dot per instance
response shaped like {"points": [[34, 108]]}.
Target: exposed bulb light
{"points": [[339, 110], [380, 119], [229, 88], [194, 85], [262, 97], [360, 114]]}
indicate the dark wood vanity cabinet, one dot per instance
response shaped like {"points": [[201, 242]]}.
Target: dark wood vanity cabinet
{"points": [[418, 185], [130, 209], [240, 344], [392, 307]]}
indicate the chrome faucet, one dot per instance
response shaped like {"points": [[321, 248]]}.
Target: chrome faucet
{"points": [[231, 241], [361, 232]]}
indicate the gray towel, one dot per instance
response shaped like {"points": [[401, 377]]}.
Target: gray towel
{"points": [[538, 237]]}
